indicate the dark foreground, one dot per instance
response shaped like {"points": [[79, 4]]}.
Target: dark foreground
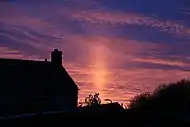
{"points": [[127, 118], [167, 106]]}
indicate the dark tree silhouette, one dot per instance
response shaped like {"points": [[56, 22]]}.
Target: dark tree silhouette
{"points": [[96, 99], [139, 100], [91, 100], [80, 103], [173, 94], [169, 102]]}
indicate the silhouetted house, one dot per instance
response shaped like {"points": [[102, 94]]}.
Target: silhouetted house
{"points": [[32, 86]]}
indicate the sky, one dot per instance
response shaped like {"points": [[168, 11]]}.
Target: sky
{"points": [[118, 48]]}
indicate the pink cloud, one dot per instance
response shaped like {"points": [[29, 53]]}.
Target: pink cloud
{"points": [[143, 80], [124, 83], [6, 52], [100, 17], [174, 62], [103, 53]]}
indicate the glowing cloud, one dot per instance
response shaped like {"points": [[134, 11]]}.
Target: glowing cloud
{"points": [[98, 61]]}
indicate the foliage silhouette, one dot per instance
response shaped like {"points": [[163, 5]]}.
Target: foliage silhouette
{"points": [[171, 101], [139, 100], [90, 100]]}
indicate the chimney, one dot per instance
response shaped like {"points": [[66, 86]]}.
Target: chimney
{"points": [[56, 57]]}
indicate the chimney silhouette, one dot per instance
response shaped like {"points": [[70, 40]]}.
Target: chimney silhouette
{"points": [[56, 57]]}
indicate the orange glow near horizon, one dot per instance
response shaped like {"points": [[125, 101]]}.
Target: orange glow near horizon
{"points": [[99, 70]]}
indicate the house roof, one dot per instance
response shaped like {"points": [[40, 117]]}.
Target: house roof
{"points": [[28, 77], [36, 71]]}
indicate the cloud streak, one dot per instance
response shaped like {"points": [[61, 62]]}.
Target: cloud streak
{"points": [[99, 17], [162, 62]]}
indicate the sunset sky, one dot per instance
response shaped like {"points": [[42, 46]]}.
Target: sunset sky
{"points": [[119, 48]]}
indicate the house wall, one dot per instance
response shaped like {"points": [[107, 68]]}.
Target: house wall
{"points": [[66, 100]]}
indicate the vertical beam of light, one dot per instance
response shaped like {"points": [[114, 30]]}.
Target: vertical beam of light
{"points": [[99, 70]]}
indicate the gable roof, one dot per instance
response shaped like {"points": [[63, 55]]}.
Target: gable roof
{"points": [[26, 71]]}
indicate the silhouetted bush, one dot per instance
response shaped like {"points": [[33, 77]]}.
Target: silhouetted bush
{"points": [[174, 95], [171, 101], [90, 100], [139, 100]]}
